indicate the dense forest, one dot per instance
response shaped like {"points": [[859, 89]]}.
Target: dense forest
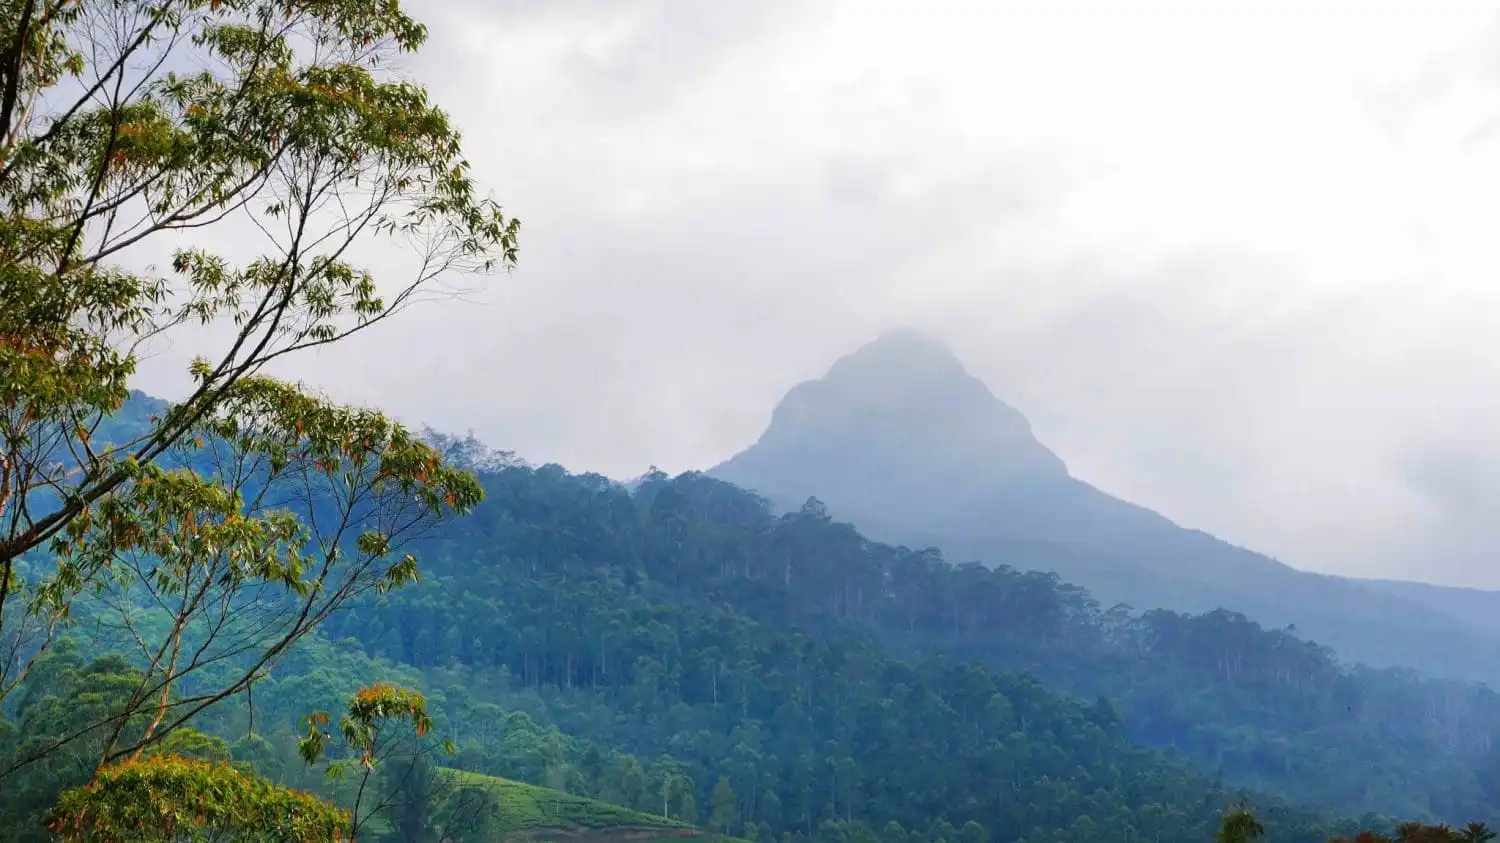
{"points": [[574, 582], [675, 646], [1062, 768]]}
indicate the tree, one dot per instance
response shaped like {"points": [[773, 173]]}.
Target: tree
{"points": [[770, 808], [630, 782], [64, 697], [591, 768], [1240, 825], [414, 786], [722, 809], [166, 797], [432, 805], [675, 789], [246, 513], [188, 742], [382, 725], [1477, 832], [973, 832], [184, 788], [554, 761]]}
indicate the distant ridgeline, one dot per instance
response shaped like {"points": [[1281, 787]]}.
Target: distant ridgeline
{"points": [[679, 648], [900, 440]]}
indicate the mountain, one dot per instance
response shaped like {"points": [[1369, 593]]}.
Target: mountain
{"points": [[1477, 607], [900, 439], [784, 676]]}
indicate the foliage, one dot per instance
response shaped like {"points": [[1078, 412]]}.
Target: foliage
{"points": [[641, 598], [204, 542], [166, 797], [632, 648], [383, 722], [1416, 832], [63, 715], [818, 730], [361, 727], [432, 805], [1240, 826], [383, 726]]}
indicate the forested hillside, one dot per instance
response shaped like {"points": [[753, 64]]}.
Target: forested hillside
{"points": [[659, 655], [676, 647], [652, 615]]}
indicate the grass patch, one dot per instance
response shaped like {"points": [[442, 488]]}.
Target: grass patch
{"points": [[528, 808]]}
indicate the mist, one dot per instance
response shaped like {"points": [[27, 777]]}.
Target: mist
{"points": [[1235, 263]]}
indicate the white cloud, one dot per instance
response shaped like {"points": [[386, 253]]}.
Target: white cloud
{"points": [[1237, 261]]}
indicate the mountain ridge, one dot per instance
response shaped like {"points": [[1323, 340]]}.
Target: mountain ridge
{"points": [[900, 439]]}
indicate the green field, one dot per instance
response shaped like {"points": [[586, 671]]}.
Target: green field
{"points": [[528, 812]]}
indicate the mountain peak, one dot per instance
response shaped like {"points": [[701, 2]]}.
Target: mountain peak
{"points": [[906, 386], [904, 358], [896, 418], [902, 344]]}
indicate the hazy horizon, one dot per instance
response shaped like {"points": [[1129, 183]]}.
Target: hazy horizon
{"points": [[1233, 262]]}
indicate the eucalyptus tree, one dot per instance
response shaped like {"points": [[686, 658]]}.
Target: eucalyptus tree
{"points": [[203, 539]]}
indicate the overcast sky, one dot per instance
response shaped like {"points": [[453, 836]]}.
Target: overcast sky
{"points": [[1239, 264]]}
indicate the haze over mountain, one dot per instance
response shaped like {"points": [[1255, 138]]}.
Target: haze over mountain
{"points": [[1143, 279], [900, 439]]}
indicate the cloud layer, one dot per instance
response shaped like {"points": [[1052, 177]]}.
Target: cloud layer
{"points": [[1236, 262]]}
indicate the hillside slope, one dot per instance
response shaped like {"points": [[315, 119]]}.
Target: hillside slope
{"points": [[687, 606], [543, 815], [834, 684], [576, 584], [1476, 607], [900, 439]]}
